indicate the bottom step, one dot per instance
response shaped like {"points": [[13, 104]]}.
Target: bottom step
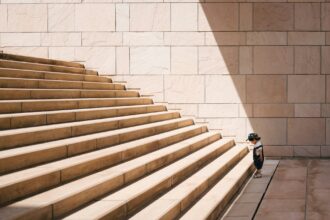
{"points": [[215, 201]]}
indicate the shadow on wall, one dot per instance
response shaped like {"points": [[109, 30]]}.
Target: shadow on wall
{"points": [[257, 57]]}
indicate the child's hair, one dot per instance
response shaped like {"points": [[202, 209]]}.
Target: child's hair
{"points": [[253, 136]]}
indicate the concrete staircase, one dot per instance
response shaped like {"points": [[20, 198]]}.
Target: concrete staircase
{"points": [[76, 145]]}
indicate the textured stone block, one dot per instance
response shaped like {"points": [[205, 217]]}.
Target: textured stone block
{"points": [[101, 39], [307, 16], [95, 17], [306, 38], [185, 109], [143, 38], [184, 38], [150, 60], [27, 18], [60, 39], [66, 53], [245, 60], [325, 68], [273, 110], [273, 60], [184, 17], [184, 89], [307, 60], [306, 89], [218, 60], [273, 17], [27, 51], [218, 110], [271, 130], [307, 110], [327, 38], [225, 38], [278, 151], [20, 39], [122, 17], [225, 89], [266, 38], [218, 17], [184, 60], [61, 17], [328, 131], [266, 89], [229, 126], [3, 18], [150, 17], [101, 59], [245, 110], [325, 16], [245, 16], [306, 131], [122, 60]]}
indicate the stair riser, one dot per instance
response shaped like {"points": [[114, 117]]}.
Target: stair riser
{"points": [[39, 60], [64, 94], [44, 67], [228, 198], [33, 106], [189, 200], [44, 84], [32, 74], [21, 139], [62, 117], [62, 151], [66, 205]]}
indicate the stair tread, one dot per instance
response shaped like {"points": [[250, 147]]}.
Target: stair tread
{"points": [[41, 89], [71, 99], [73, 161], [77, 123], [74, 110], [39, 60], [219, 191], [160, 207], [73, 140], [73, 188], [127, 194]]}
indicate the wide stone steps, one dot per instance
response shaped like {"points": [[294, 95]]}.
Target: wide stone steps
{"points": [[160, 133], [76, 145], [61, 200], [6, 82], [14, 93], [33, 135], [44, 67], [182, 196], [35, 74], [215, 200], [6, 56], [33, 105], [29, 119]]}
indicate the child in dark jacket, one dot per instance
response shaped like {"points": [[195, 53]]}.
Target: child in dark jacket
{"points": [[258, 153]]}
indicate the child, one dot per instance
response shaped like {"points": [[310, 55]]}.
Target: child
{"points": [[258, 153]]}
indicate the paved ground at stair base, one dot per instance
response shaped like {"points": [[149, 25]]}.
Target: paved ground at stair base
{"points": [[248, 200], [299, 190]]}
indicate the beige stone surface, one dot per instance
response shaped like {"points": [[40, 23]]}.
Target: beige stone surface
{"points": [[60, 39], [306, 131], [273, 60], [307, 60], [143, 38], [150, 60], [20, 39], [298, 85], [225, 38], [61, 17], [307, 16], [122, 60], [306, 151], [273, 110], [245, 16], [184, 60], [218, 17], [218, 60], [307, 110], [150, 17], [61, 53], [3, 18], [19, 14], [325, 68], [95, 17], [101, 39], [266, 38], [218, 110], [122, 17], [273, 16], [306, 38], [278, 151], [266, 88], [184, 17], [325, 12], [184, 38], [246, 60]]}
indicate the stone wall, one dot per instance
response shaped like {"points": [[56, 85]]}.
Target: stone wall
{"points": [[239, 65]]}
